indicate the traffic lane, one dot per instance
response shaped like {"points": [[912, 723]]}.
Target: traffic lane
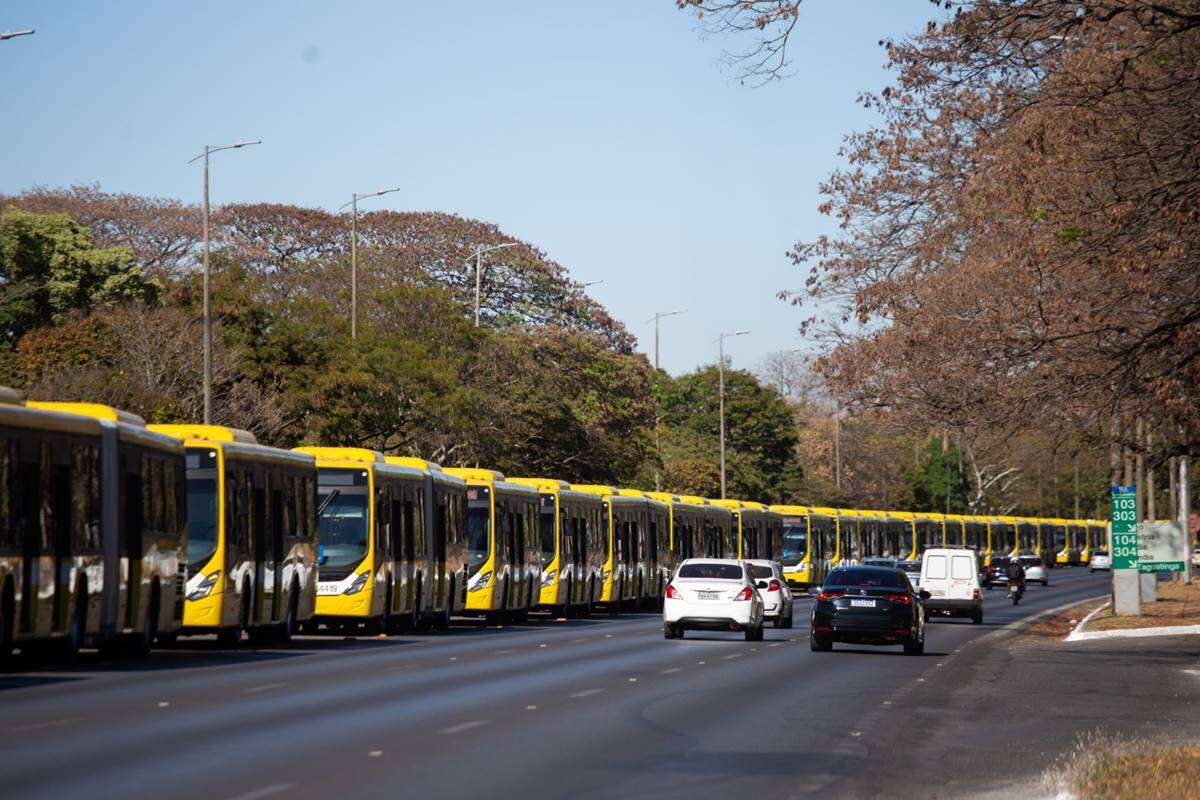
{"points": [[282, 719]]}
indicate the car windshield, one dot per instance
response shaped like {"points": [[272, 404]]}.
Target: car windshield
{"points": [[1101, 552], [1030, 561], [758, 571], [886, 578], [712, 571], [201, 505], [342, 496]]}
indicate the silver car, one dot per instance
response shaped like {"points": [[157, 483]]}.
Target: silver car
{"points": [[1035, 570], [777, 597], [912, 569]]}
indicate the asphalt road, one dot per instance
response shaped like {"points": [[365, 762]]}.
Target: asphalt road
{"points": [[581, 708]]}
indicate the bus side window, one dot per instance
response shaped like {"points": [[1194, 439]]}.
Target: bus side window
{"points": [[407, 528], [9, 538], [418, 530]]}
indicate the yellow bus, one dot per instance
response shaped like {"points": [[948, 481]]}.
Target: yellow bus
{"points": [[1097, 538], [720, 531], [823, 523], [441, 505], [93, 508], [930, 531], [373, 549], [902, 528], [572, 546], [975, 536], [798, 561], [251, 547], [955, 528], [645, 533], [1077, 533], [688, 515], [623, 577], [503, 555]]}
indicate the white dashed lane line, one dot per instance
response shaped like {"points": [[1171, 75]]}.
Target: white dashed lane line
{"points": [[670, 671], [586, 693], [265, 791], [502, 652], [264, 688], [37, 726], [465, 726]]}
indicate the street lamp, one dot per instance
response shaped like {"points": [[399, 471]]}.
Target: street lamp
{"points": [[479, 251], [721, 395], [354, 198], [592, 283], [658, 315], [15, 34], [208, 150]]}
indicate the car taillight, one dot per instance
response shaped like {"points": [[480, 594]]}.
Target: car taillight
{"points": [[977, 595], [745, 594], [899, 598], [672, 592], [825, 597], [773, 586]]}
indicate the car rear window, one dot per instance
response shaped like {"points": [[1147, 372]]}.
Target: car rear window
{"points": [[1030, 561], [962, 568], [1101, 552], [935, 568], [761, 572], [864, 577], [723, 572]]}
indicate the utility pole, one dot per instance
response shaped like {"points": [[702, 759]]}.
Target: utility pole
{"points": [[1075, 472], [837, 451], [1185, 520], [657, 318], [479, 251], [208, 399], [354, 198], [721, 396], [946, 464]]}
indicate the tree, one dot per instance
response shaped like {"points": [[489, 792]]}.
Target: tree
{"points": [[760, 437], [49, 268]]}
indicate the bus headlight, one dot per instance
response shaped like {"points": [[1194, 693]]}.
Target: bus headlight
{"points": [[359, 583], [205, 586], [481, 582], [548, 577]]}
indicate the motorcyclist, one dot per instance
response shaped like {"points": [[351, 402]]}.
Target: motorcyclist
{"points": [[1015, 573]]}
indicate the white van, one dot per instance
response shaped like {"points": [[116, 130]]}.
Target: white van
{"points": [[951, 576]]}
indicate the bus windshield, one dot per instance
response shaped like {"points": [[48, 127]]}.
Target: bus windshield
{"points": [[201, 506], [479, 526], [547, 525], [795, 540], [342, 496]]}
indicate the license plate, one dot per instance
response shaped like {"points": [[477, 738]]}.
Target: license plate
{"points": [[708, 595], [862, 603], [328, 588]]}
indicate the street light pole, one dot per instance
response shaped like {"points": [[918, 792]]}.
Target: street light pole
{"points": [[209, 149], [658, 315], [354, 198], [657, 318], [721, 396], [479, 251]]}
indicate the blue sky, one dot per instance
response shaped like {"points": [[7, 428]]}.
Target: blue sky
{"points": [[606, 133]]}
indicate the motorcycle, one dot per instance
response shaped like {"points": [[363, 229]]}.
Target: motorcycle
{"points": [[1015, 592]]}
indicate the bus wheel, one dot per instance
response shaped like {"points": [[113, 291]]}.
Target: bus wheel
{"points": [[287, 628]]}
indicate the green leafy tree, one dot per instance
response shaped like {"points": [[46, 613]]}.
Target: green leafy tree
{"points": [[48, 268], [929, 478]]}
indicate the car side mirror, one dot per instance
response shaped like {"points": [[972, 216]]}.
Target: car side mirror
{"points": [[924, 594], [760, 584]]}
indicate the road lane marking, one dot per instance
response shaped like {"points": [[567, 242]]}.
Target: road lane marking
{"points": [[775, 644], [163, 704], [731, 656], [466, 726], [375, 753], [586, 693], [577, 641], [265, 791], [670, 671], [633, 680], [265, 687], [502, 652], [40, 725]]}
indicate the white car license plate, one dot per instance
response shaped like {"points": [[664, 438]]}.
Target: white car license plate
{"points": [[708, 595], [862, 603]]}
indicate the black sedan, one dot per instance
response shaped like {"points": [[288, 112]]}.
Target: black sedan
{"points": [[869, 605]]}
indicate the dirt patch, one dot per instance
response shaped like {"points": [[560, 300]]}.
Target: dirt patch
{"points": [[1178, 604], [1059, 625], [1104, 769]]}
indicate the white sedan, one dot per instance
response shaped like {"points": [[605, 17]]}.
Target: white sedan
{"points": [[777, 597], [1035, 570], [1100, 560], [713, 594]]}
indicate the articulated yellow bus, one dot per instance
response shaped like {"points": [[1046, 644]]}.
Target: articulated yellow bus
{"points": [[801, 553], [975, 536], [442, 577], [645, 534], [251, 548], [92, 529], [902, 526], [373, 553], [623, 576], [1079, 552], [572, 546], [720, 531], [930, 531], [688, 521], [1097, 538], [503, 554]]}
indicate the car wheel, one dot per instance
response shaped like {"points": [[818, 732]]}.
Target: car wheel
{"points": [[915, 647], [1046, 582], [819, 644], [977, 617], [671, 632]]}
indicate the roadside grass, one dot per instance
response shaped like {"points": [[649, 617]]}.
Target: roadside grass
{"points": [[1062, 623], [1100, 768], [1178, 604]]}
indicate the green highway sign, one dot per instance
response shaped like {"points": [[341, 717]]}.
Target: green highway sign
{"points": [[1124, 527]]}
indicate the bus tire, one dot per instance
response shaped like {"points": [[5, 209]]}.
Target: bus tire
{"points": [[287, 628], [7, 617]]}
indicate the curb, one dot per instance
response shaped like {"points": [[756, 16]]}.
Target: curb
{"points": [[1077, 632], [1013, 627], [1134, 633]]}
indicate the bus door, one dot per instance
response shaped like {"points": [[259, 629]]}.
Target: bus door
{"points": [[441, 524], [60, 538], [132, 532], [29, 480], [258, 548], [278, 554], [409, 553]]}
